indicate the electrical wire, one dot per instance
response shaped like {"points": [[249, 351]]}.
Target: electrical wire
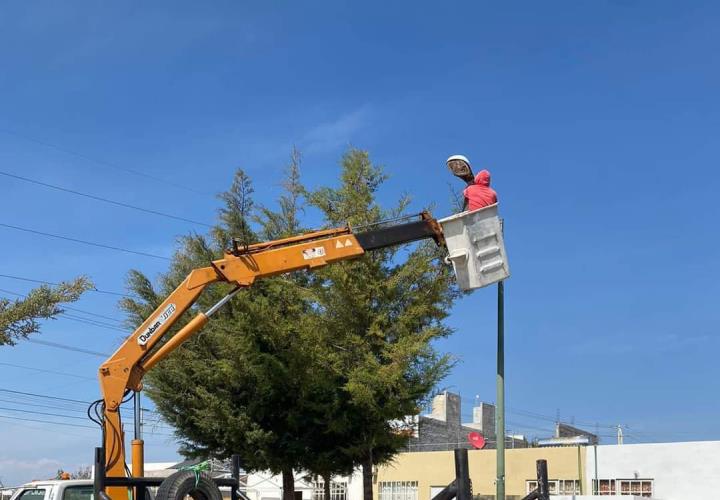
{"points": [[104, 200], [45, 421], [93, 323], [41, 413], [38, 405], [83, 242], [45, 396], [41, 370], [68, 348], [550, 418], [163, 180], [57, 398], [43, 282], [51, 422]]}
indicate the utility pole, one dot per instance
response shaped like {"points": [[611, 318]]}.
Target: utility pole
{"points": [[500, 413]]}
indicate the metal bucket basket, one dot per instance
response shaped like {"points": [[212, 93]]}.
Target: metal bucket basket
{"points": [[476, 248]]}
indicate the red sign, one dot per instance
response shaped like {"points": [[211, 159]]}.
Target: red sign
{"points": [[476, 440]]}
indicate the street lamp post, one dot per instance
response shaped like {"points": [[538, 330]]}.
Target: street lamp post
{"points": [[500, 413], [460, 167]]}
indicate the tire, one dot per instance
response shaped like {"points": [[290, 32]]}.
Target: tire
{"points": [[182, 484]]}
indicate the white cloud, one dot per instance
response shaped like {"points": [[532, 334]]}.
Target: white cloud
{"points": [[337, 133]]}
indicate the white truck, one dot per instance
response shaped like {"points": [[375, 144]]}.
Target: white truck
{"points": [[70, 489]]}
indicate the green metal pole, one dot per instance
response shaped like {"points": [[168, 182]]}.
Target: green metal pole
{"points": [[500, 411]]}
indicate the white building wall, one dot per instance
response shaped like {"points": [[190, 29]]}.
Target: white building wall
{"points": [[680, 471], [355, 485], [266, 486]]}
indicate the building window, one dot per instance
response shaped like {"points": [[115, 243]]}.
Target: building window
{"points": [[338, 491], [626, 487], [606, 487], [568, 487], [557, 486], [398, 490], [637, 487]]}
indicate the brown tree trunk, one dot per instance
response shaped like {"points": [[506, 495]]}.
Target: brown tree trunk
{"points": [[288, 479], [367, 468], [327, 478]]}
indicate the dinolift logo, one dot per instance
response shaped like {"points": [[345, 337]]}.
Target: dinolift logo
{"points": [[155, 324]]}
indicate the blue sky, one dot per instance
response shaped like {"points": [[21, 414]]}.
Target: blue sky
{"points": [[598, 121]]}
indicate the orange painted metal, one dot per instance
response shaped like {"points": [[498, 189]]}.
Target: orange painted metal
{"points": [[181, 336], [138, 457]]}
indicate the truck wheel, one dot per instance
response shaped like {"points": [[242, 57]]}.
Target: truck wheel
{"points": [[183, 483]]}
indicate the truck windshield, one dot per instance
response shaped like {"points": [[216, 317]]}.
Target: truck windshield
{"points": [[33, 494], [77, 493]]}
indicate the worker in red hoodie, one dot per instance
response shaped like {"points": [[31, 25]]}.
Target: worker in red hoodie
{"points": [[478, 193]]}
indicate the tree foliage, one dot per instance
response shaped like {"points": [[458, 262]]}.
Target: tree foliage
{"points": [[82, 472], [304, 371], [383, 311], [20, 318]]}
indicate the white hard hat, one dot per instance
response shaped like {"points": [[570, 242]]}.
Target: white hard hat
{"points": [[458, 157]]}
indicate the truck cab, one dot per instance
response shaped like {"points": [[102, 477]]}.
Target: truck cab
{"points": [[72, 489]]}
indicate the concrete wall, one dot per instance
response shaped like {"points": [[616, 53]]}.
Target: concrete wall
{"points": [[437, 468], [681, 471]]}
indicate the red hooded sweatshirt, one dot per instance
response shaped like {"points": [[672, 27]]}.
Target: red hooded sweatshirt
{"points": [[480, 194]]}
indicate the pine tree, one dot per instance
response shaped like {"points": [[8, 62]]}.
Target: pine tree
{"points": [[305, 371], [382, 312], [251, 383], [20, 318]]}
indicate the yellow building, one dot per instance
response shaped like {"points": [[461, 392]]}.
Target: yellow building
{"points": [[421, 475]]}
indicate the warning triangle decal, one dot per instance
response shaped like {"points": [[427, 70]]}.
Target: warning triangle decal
{"points": [[338, 244], [348, 243]]}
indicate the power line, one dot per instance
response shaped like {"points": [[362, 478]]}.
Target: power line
{"points": [[163, 180], [104, 200], [68, 348], [37, 405], [56, 398], [50, 422], [43, 282], [33, 412], [48, 414], [93, 323], [41, 370], [549, 418], [524, 426], [119, 321], [47, 422], [84, 242], [55, 401]]}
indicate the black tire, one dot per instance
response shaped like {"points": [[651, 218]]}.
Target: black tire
{"points": [[183, 483]]}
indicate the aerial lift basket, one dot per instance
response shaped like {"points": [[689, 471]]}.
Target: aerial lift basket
{"points": [[475, 247]]}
